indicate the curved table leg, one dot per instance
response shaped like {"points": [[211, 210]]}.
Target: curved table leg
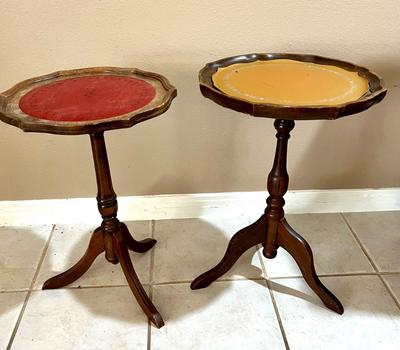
{"points": [[95, 248], [134, 245], [144, 301], [242, 240], [301, 252]]}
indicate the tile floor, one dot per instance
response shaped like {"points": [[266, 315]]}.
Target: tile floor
{"points": [[259, 304]]}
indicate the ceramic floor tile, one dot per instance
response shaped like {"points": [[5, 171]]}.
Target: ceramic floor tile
{"points": [[189, 247], [379, 232], [394, 284], [92, 318], [226, 315], [10, 307], [335, 249], [68, 244], [371, 319], [20, 251]]}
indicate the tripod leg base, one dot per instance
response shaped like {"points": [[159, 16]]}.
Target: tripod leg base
{"points": [[240, 242], [121, 241], [301, 252]]}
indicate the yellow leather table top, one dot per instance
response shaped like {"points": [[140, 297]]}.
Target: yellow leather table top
{"points": [[291, 83]]}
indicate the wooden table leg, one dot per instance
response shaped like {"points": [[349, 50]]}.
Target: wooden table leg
{"points": [[121, 250], [272, 230], [134, 245], [112, 237], [95, 248], [301, 252], [242, 240]]}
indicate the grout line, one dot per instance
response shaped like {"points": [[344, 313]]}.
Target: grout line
{"points": [[238, 279], [148, 335], [274, 303], [151, 271], [328, 275], [171, 282], [152, 228], [13, 334], [371, 261], [216, 281], [359, 242], [90, 287], [28, 294], [45, 249], [14, 291], [273, 278], [278, 316], [397, 302]]}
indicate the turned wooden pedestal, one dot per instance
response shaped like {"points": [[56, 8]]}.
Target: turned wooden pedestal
{"points": [[112, 237], [273, 231]]}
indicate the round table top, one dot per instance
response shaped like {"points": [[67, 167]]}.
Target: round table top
{"points": [[287, 86], [86, 100]]}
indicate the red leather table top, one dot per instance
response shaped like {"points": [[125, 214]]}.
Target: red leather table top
{"points": [[87, 98]]}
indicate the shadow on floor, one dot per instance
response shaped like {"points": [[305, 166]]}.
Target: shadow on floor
{"points": [[185, 249], [20, 251]]}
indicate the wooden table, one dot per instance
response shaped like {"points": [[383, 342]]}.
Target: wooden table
{"points": [[285, 87], [91, 101]]}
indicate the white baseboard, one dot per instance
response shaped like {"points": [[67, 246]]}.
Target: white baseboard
{"points": [[51, 211]]}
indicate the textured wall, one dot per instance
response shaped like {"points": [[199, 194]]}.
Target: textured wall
{"points": [[198, 146]]}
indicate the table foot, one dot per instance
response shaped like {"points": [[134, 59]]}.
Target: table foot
{"points": [[144, 301], [95, 248], [134, 245], [121, 240], [242, 240], [301, 252]]}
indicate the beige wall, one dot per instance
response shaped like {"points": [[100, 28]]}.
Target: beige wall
{"points": [[198, 146]]}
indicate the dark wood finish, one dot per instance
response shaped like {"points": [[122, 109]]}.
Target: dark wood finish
{"points": [[144, 301], [301, 252], [267, 110], [12, 114], [277, 184], [112, 237], [241, 241], [134, 245], [272, 231]]}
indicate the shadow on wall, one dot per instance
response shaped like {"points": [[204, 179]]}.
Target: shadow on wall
{"points": [[354, 151], [206, 148], [191, 148]]}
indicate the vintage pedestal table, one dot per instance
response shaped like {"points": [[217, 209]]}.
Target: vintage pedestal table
{"points": [[91, 101], [285, 87]]}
